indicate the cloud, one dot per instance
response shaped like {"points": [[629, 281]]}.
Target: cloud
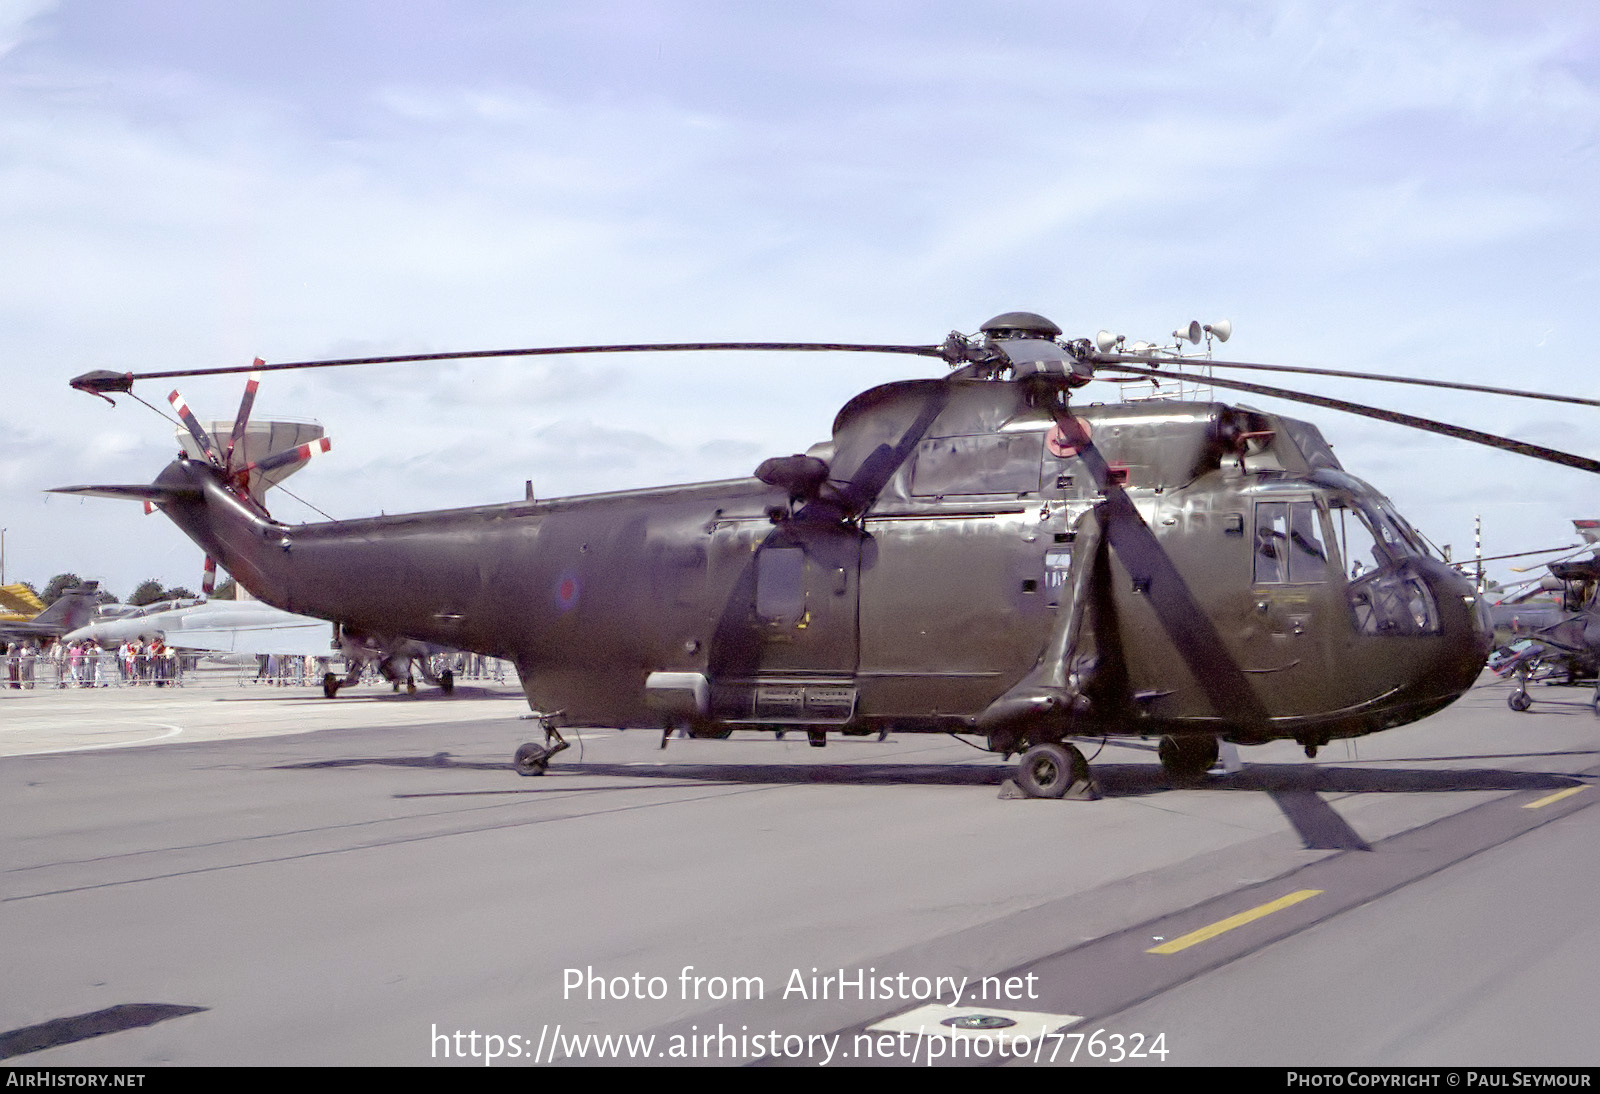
{"points": [[18, 21], [1368, 185]]}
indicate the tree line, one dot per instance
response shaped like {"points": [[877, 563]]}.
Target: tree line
{"points": [[148, 591]]}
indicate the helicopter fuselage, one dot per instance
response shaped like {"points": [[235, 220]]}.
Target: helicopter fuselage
{"points": [[979, 557]]}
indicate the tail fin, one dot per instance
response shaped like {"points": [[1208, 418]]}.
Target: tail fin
{"points": [[72, 609]]}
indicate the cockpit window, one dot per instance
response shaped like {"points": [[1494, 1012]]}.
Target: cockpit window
{"points": [[1385, 597], [1358, 545], [1412, 538], [1373, 535], [1290, 547], [1393, 603]]}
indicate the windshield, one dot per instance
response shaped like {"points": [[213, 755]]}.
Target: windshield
{"points": [[1385, 597], [1373, 534]]}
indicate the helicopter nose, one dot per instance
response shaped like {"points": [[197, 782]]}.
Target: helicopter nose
{"points": [[1464, 618]]}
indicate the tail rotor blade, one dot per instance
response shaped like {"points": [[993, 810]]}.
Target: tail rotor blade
{"points": [[202, 438], [243, 418], [208, 582], [297, 454]]}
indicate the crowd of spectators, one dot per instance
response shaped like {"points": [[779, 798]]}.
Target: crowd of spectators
{"points": [[152, 663], [137, 662]]}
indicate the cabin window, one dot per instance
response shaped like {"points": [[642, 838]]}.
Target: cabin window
{"points": [[781, 584], [985, 463], [1057, 573], [1290, 547]]}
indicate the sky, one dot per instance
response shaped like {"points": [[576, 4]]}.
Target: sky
{"points": [[1405, 188]]}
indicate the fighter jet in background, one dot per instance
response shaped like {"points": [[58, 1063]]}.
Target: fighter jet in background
{"points": [[70, 611]]}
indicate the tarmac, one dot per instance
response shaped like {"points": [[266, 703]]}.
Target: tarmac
{"points": [[231, 873], [224, 703]]}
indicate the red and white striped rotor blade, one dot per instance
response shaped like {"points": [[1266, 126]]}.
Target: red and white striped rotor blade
{"points": [[193, 425], [243, 418], [208, 582], [297, 454]]}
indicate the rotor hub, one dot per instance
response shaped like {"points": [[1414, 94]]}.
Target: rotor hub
{"points": [[1020, 324]]}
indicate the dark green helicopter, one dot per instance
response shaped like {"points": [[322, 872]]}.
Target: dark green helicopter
{"points": [[968, 554]]}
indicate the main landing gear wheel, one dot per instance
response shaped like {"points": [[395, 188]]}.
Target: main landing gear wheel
{"points": [[1187, 758], [447, 682], [1050, 770], [1519, 700], [531, 759], [330, 685]]}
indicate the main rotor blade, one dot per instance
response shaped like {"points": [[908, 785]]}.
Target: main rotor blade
{"points": [[1520, 554], [1507, 444], [1116, 360], [1579, 549], [101, 380]]}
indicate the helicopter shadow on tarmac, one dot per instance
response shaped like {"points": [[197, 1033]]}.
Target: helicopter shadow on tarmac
{"points": [[1296, 789]]}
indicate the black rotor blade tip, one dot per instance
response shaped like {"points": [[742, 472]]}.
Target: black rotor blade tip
{"points": [[102, 380]]}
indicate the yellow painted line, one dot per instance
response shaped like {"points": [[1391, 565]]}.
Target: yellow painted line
{"points": [[1557, 796], [1222, 926]]}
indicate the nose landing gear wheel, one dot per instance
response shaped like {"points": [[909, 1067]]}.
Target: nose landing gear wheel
{"points": [[534, 759], [1519, 700], [1050, 770]]}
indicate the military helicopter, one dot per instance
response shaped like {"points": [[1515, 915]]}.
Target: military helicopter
{"points": [[1561, 641], [968, 554]]}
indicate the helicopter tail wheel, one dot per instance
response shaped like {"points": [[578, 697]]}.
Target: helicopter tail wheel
{"points": [[531, 759], [1053, 769], [1187, 758], [330, 685], [1519, 700]]}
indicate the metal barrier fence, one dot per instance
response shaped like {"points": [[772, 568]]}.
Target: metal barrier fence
{"points": [[100, 669], [106, 670]]}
